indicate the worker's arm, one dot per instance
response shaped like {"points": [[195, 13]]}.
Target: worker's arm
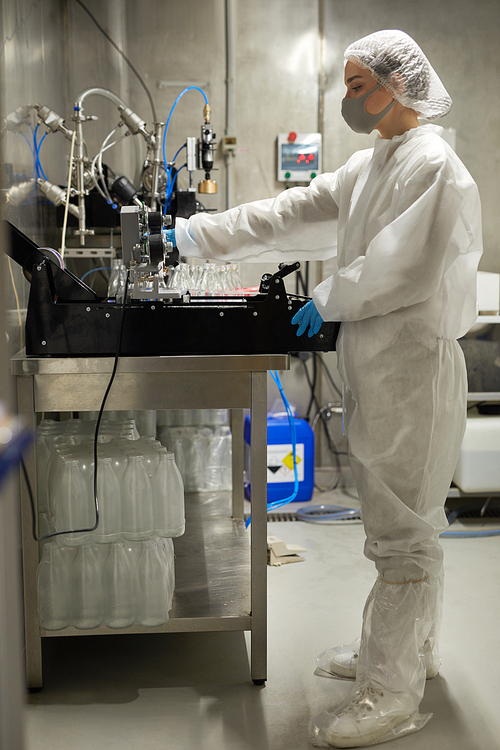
{"points": [[299, 224]]}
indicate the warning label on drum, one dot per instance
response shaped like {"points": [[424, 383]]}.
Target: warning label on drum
{"points": [[280, 463]]}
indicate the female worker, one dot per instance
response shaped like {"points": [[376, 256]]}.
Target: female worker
{"points": [[404, 220]]}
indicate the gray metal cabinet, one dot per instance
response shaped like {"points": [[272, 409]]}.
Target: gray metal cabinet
{"points": [[221, 578]]}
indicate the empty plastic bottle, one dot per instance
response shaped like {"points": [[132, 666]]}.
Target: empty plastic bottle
{"points": [[118, 584], [108, 494], [166, 552], [152, 591], [42, 460], [70, 503], [148, 448], [168, 497], [52, 578], [137, 500], [86, 588]]}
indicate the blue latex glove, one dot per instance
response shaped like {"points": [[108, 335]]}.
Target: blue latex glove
{"points": [[307, 316], [171, 237]]}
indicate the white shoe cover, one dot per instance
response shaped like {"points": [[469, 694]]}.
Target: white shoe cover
{"points": [[390, 672], [370, 714]]}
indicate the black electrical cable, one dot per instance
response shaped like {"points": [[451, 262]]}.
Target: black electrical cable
{"points": [[331, 447], [328, 373], [299, 281], [134, 71], [96, 435], [478, 403], [321, 416], [312, 387], [320, 411]]}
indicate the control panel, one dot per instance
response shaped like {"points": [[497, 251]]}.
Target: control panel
{"points": [[299, 156]]}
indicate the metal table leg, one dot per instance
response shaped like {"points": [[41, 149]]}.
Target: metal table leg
{"points": [[259, 527], [237, 462], [26, 408]]}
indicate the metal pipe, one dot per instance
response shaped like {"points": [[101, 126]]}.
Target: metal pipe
{"points": [[134, 123], [80, 175], [99, 92], [155, 195], [229, 98]]}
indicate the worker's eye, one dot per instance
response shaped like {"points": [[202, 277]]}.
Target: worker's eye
{"points": [[357, 88]]}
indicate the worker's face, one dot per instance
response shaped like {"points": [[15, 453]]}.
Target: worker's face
{"points": [[359, 81]]}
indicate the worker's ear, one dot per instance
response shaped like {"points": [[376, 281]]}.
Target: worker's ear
{"points": [[397, 83]]}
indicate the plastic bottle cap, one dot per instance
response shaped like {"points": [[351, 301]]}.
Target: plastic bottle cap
{"points": [[313, 175], [292, 136], [287, 175]]}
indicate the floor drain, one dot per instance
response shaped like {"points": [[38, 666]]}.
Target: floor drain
{"points": [[278, 517]]}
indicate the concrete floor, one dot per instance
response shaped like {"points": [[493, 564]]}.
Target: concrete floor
{"points": [[193, 691]]}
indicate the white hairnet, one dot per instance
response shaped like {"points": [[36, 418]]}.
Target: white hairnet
{"points": [[398, 63]]}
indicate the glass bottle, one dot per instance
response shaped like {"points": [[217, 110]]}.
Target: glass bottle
{"points": [[151, 587], [86, 588], [168, 497], [114, 279], [108, 495], [137, 500], [118, 587], [52, 580]]}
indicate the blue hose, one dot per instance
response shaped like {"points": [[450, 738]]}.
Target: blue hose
{"points": [[189, 88], [169, 193], [93, 270], [293, 433], [39, 170]]}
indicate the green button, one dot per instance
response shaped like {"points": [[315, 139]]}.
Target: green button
{"points": [[287, 175], [313, 175]]}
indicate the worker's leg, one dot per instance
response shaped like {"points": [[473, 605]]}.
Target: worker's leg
{"points": [[404, 443]]}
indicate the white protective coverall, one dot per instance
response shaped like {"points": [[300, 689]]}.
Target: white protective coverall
{"points": [[404, 220]]}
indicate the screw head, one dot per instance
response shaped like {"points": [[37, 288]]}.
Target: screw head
{"points": [[44, 343], [153, 307], [321, 336], [108, 315], [88, 309], [221, 314], [255, 314], [277, 296], [276, 281]]}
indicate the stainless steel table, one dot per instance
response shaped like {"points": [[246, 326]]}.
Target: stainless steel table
{"points": [[221, 583]]}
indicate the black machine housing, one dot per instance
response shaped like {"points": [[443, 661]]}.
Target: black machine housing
{"points": [[66, 318]]}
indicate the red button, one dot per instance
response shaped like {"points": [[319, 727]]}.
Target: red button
{"points": [[292, 136]]}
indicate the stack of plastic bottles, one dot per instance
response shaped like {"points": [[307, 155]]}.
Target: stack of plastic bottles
{"points": [[122, 573], [201, 442]]}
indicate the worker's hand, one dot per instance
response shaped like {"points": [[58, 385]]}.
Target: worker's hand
{"points": [[307, 316], [171, 237]]}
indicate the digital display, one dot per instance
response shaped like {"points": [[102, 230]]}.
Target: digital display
{"points": [[299, 157]]}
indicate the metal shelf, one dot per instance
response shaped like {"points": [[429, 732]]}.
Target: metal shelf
{"points": [[221, 580], [212, 573], [491, 396]]}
